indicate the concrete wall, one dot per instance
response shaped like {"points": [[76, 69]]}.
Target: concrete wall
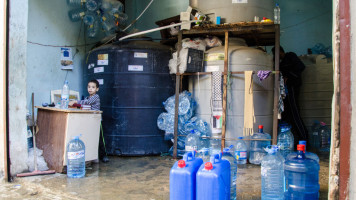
{"points": [[49, 24], [352, 186], [2, 85], [17, 85], [305, 23], [159, 9]]}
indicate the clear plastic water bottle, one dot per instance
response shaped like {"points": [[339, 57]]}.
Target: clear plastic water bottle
{"points": [[75, 3], [310, 155], [108, 23], [203, 153], [192, 142], [228, 154], [76, 15], [93, 30], [302, 177], [65, 96], [90, 17], [325, 135], [76, 158], [272, 175], [93, 5], [277, 14], [215, 146], [285, 140], [315, 138], [257, 151], [183, 106], [241, 151]]}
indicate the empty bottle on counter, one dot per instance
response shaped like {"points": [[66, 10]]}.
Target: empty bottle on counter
{"points": [[228, 154], [285, 140], [65, 96], [302, 177], [76, 158], [310, 155], [241, 151], [213, 179], [272, 175], [76, 15], [182, 177], [325, 135], [257, 151]]}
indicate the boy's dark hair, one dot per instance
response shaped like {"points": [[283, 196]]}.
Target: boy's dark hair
{"points": [[95, 81]]}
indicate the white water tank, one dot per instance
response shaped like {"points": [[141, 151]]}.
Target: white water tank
{"points": [[241, 58], [232, 11], [316, 92]]}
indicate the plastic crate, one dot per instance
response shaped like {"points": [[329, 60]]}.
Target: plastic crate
{"points": [[195, 60]]}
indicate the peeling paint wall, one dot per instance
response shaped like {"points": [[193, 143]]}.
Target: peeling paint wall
{"points": [[17, 85], [352, 186], [49, 25]]}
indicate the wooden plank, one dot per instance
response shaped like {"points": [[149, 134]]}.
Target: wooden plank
{"points": [[177, 99], [69, 110], [226, 67], [276, 87], [51, 137]]}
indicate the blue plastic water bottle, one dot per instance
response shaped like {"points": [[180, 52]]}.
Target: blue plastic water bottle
{"points": [[302, 177], [228, 154], [76, 158], [182, 177], [213, 179]]}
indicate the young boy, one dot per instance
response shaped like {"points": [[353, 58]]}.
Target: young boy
{"points": [[93, 99]]}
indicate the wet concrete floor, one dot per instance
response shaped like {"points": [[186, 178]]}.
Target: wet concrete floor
{"points": [[127, 178]]}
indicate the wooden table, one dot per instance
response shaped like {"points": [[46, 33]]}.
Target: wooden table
{"points": [[56, 127]]}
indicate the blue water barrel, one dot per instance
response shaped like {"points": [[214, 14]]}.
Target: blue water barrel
{"points": [[134, 81], [213, 179], [182, 177]]}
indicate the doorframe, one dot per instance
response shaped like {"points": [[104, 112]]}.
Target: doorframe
{"points": [[345, 97]]}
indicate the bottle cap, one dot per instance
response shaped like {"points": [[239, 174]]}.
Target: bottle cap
{"points": [[301, 147], [303, 142], [208, 166], [181, 163], [260, 126], [240, 138]]}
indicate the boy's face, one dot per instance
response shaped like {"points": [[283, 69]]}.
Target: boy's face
{"points": [[92, 89]]}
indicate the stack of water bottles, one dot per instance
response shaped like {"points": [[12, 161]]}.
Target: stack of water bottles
{"points": [[191, 130], [107, 15]]}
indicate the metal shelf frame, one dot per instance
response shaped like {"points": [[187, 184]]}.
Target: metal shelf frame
{"points": [[255, 34]]}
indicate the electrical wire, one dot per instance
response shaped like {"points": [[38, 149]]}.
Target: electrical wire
{"points": [[134, 21]]}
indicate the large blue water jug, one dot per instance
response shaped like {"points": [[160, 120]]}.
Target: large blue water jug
{"points": [[182, 178], [213, 179], [302, 177], [307, 154]]}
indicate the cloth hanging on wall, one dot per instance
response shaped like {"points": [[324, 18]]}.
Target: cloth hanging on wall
{"points": [[249, 113], [216, 98]]}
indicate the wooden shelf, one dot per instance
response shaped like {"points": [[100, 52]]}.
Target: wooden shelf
{"points": [[255, 34]]}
